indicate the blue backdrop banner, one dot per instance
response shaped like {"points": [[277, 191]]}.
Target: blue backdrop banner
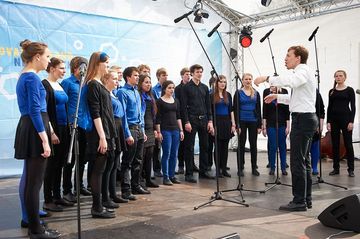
{"points": [[70, 34]]}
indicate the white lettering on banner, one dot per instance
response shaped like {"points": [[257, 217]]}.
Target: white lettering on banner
{"points": [[3, 79]]}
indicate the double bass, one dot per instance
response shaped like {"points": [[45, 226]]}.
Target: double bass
{"points": [[326, 147]]}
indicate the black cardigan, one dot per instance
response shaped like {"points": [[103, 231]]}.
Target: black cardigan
{"points": [[51, 105]]}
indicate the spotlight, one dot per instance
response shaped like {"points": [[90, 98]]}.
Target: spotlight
{"points": [[200, 12], [245, 38], [265, 3]]}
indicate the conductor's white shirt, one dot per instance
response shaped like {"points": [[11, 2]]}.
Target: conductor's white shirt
{"points": [[303, 84]]}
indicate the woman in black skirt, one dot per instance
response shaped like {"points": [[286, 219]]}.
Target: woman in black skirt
{"points": [[101, 138], [225, 122], [33, 131], [56, 100], [149, 109]]}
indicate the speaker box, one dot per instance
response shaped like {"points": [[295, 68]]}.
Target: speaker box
{"points": [[343, 214]]}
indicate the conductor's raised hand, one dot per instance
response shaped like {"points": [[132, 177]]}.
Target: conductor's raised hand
{"points": [[270, 98], [260, 79]]}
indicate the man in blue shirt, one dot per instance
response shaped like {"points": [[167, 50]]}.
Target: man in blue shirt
{"points": [[134, 135], [71, 87], [161, 75]]}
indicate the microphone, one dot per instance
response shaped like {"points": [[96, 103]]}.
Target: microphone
{"points": [[266, 35], [214, 29], [183, 16], [358, 91], [313, 34], [82, 68]]}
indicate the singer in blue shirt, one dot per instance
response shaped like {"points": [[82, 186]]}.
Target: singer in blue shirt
{"points": [[71, 87], [134, 135]]}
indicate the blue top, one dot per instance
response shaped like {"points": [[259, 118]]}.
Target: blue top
{"points": [[71, 87], [132, 107], [115, 91], [222, 108], [61, 99], [157, 91], [31, 97], [247, 107]]}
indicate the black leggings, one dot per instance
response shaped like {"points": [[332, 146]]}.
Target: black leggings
{"points": [[336, 126], [54, 166], [148, 153], [251, 127], [108, 176], [35, 169], [98, 168]]}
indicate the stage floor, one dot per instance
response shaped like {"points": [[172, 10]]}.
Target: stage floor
{"points": [[168, 212]]}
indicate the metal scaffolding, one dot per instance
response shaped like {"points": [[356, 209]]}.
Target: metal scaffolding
{"points": [[291, 11]]}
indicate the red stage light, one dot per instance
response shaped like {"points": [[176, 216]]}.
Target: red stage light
{"points": [[245, 38], [245, 41]]}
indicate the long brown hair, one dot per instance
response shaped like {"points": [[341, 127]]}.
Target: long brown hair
{"points": [[334, 86], [217, 98], [30, 49], [142, 78], [95, 59]]}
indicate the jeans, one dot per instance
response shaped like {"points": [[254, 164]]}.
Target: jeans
{"points": [[170, 146], [271, 132]]}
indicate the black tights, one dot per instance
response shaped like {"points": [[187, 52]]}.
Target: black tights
{"points": [[107, 177], [98, 167], [35, 169], [148, 153]]}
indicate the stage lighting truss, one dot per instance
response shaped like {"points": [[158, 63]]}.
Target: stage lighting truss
{"points": [[245, 38]]}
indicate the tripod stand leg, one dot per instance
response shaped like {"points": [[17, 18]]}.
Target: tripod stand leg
{"points": [[320, 180], [204, 204]]}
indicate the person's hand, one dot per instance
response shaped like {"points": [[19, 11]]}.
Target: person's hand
{"points": [[102, 146], [270, 98], [188, 127], [156, 134], [54, 139], [46, 148], [328, 127], [287, 131], [210, 128], [145, 137], [259, 80], [181, 135], [160, 137], [259, 130], [233, 129], [350, 126], [130, 140], [264, 132]]}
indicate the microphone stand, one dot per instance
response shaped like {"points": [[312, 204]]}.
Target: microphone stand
{"points": [[75, 144], [320, 178], [277, 180], [240, 186], [217, 194]]}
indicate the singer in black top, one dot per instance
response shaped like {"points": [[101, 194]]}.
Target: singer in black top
{"points": [[101, 139], [341, 117], [269, 128], [196, 113]]}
